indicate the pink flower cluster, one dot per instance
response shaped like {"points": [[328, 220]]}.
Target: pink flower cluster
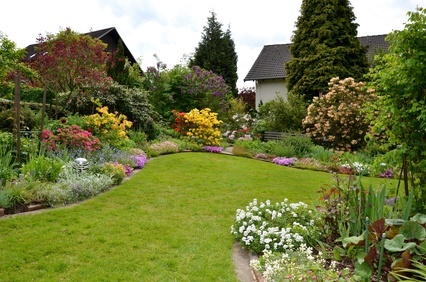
{"points": [[70, 137], [140, 160], [213, 149], [284, 161]]}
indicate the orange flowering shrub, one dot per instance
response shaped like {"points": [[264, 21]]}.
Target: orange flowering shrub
{"points": [[203, 127], [337, 120], [179, 124]]}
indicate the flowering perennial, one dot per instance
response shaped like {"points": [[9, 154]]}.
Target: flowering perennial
{"points": [[241, 128], [213, 149], [280, 227], [284, 161], [165, 147], [298, 265], [70, 137], [140, 160]]}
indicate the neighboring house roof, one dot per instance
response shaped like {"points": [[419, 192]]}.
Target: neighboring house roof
{"points": [[271, 60], [109, 36]]}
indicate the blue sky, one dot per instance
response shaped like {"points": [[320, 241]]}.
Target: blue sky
{"points": [[171, 28]]}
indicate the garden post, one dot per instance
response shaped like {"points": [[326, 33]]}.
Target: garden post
{"points": [[18, 115]]}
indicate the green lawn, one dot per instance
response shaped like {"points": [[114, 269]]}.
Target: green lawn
{"points": [[170, 222]]}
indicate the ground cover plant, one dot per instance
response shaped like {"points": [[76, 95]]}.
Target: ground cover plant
{"points": [[163, 224]]}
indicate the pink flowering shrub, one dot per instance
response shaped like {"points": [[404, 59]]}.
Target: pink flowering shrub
{"points": [[70, 137], [337, 120]]}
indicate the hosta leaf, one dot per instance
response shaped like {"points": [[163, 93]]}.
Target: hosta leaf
{"points": [[364, 270], [397, 244], [354, 241], [413, 230], [419, 218]]}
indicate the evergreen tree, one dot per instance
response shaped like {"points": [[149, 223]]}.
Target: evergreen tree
{"points": [[325, 45], [216, 52], [122, 70]]}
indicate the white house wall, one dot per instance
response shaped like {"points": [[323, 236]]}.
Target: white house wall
{"points": [[267, 90]]}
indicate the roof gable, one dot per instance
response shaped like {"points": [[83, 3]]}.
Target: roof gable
{"points": [[271, 60]]}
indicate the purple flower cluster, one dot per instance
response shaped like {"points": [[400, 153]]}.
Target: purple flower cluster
{"points": [[284, 161], [213, 149], [387, 174], [140, 160]]}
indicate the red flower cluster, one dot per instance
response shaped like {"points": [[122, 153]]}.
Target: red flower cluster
{"points": [[179, 125]]}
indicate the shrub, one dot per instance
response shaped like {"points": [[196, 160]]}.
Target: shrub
{"points": [[280, 227], [109, 127], [163, 147], [241, 152], [240, 128], [73, 186], [283, 116], [179, 125], [201, 89], [336, 120], [115, 170], [70, 137], [203, 127], [8, 123]]}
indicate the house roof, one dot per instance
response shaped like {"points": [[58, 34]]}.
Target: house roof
{"points": [[271, 60], [109, 36]]}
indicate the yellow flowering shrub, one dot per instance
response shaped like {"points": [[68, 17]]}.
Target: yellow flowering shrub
{"points": [[203, 127], [109, 127]]}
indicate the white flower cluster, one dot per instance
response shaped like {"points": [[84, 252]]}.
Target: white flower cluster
{"points": [[295, 265], [278, 227]]}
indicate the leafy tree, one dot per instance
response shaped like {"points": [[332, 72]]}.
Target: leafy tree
{"points": [[183, 89], [72, 63], [336, 120], [248, 95], [121, 70], [10, 62], [399, 80], [216, 52], [202, 89], [162, 86], [325, 45]]}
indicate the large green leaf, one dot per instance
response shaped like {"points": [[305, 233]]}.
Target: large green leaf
{"points": [[397, 244], [419, 218], [413, 230], [364, 270]]}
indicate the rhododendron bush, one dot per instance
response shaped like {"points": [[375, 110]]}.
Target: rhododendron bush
{"points": [[70, 137], [203, 127], [336, 120], [109, 127]]}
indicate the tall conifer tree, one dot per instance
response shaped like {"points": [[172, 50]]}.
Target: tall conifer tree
{"points": [[216, 52], [325, 45]]}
